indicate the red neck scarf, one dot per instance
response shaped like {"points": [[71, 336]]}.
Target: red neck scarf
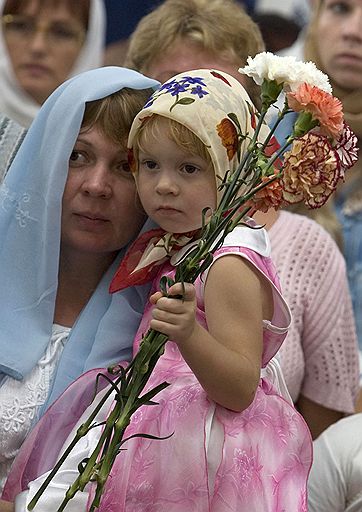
{"points": [[142, 261]]}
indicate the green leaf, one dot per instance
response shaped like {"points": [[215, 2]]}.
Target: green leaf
{"points": [[185, 101], [163, 285], [182, 101], [146, 436], [234, 119]]}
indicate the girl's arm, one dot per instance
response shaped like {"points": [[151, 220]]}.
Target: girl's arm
{"points": [[227, 359]]}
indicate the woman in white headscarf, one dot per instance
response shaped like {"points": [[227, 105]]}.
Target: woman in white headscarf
{"points": [[11, 136], [43, 43]]}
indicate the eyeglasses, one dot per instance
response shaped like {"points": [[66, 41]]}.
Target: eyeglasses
{"points": [[57, 33]]}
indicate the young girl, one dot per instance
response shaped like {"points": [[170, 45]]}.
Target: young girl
{"points": [[237, 444]]}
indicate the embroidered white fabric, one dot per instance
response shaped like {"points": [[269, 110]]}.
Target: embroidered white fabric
{"points": [[66, 475], [20, 401]]}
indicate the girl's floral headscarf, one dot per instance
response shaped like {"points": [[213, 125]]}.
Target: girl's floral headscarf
{"points": [[217, 109], [211, 104]]}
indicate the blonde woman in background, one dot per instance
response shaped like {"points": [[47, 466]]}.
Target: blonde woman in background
{"points": [[195, 34], [334, 42]]}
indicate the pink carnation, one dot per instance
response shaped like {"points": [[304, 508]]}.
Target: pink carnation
{"points": [[346, 148]]}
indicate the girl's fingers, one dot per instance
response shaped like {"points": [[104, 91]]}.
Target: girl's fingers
{"points": [[165, 316], [175, 306], [187, 290], [155, 297]]}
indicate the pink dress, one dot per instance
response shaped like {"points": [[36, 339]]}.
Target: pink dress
{"points": [[216, 460]]}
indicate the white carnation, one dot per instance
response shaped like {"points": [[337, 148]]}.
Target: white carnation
{"points": [[267, 66], [310, 74], [286, 70]]}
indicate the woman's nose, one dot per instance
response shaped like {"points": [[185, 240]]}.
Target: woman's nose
{"points": [[39, 41], [97, 181], [353, 29]]}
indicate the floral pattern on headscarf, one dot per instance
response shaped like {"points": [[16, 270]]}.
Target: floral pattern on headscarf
{"points": [[214, 106]]}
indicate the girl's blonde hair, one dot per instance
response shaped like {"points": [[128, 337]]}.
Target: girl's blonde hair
{"points": [[177, 132]]}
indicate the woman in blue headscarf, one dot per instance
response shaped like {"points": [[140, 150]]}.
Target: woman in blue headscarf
{"points": [[67, 209]]}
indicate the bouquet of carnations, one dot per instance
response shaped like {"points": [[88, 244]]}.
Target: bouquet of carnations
{"points": [[306, 168]]}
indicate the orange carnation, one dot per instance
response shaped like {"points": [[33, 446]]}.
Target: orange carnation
{"points": [[323, 107], [270, 196]]}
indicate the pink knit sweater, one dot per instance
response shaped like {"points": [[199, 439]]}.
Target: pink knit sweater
{"points": [[320, 353]]}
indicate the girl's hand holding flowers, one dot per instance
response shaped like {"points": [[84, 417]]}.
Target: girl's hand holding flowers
{"points": [[174, 315]]}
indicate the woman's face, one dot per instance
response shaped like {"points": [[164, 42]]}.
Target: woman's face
{"points": [[184, 55], [339, 41], [100, 211], [43, 46]]}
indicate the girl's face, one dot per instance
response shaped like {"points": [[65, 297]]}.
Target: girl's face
{"points": [[43, 46], [100, 213], [339, 41], [174, 186]]}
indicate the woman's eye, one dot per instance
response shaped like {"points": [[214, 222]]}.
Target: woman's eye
{"points": [[76, 157], [124, 168], [63, 32], [339, 7]]}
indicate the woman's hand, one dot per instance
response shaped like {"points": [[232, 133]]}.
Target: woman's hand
{"points": [[172, 316], [6, 506]]}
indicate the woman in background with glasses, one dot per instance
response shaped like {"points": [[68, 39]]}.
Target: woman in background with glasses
{"points": [[42, 43]]}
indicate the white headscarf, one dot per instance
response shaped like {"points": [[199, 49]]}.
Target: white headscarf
{"points": [[11, 136], [14, 101]]}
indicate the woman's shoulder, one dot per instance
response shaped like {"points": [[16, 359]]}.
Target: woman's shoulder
{"points": [[295, 233], [288, 221], [342, 442], [345, 434], [335, 478]]}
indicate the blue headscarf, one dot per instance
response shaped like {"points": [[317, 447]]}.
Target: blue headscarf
{"points": [[30, 220]]}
